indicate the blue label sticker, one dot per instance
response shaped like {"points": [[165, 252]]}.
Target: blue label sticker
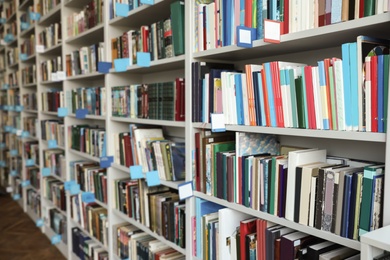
{"points": [[121, 65], [62, 111], [87, 197], [30, 162], [147, 2], [23, 56], [24, 25], [35, 16], [13, 173], [104, 67], [52, 144], [68, 184], [16, 196], [45, 172], [81, 113], [55, 239], [25, 134], [152, 179], [11, 108], [3, 20], [106, 161], [19, 108], [143, 59], [136, 172], [8, 128], [39, 222], [25, 183], [13, 152], [2, 145], [6, 86], [14, 130], [74, 189], [9, 37], [2, 163], [122, 9], [6, 107], [245, 36], [185, 190]]}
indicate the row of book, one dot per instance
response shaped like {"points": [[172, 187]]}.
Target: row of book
{"points": [[53, 129], [33, 175], [12, 79], [86, 248], [25, 18], [84, 60], [50, 36], [286, 94], [30, 101], [91, 177], [157, 208], [162, 101], [230, 234], [216, 23], [87, 139], [52, 100], [31, 151], [7, 10], [12, 56], [29, 75], [92, 218], [162, 39], [28, 46], [58, 223], [53, 190], [34, 201], [45, 6], [50, 66], [30, 124], [91, 15], [54, 159], [91, 98], [132, 243]]}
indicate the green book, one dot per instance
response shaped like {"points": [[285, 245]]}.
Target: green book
{"points": [[177, 23]]}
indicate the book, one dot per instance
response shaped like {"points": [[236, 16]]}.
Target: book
{"points": [[314, 251], [338, 253], [247, 226], [177, 17]]}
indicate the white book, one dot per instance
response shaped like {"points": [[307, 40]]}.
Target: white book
{"points": [[312, 209], [339, 87], [286, 101], [245, 99], [295, 158], [210, 26], [317, 97], [141, 134], [339, 253], [206, 108]]}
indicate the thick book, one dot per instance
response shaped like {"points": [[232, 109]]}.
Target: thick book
{"points": [[177, 17], [246, 227], [314, 251]]}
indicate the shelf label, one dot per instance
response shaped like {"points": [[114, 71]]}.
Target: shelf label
{"points": [[52, 144], [39, 222], [9, 189], [14, 130], [245, 36], [61, 75], [104, 67], [19, 108], [35, 16], [81, 113], [13, 173], [54, 76], [62, 111], [185, 190], [218, 123], [88, 197], [25, 134], [5, 86], [30, 162], [122, 9], [2, 145], [45, 172], [3, 20], [55, 239], [152, 179], [16, 196], [24, 25], [120, 65], [143, 59], [2, 163], [74, 189], [9, 38], [7, 128], [147, 2], [25, 183], [13, 152], [23, 56], [272, 31], [136, 172], [106, 161], [6, 107], [68, 184], [39, 48], [11, 108], [19, 132]]}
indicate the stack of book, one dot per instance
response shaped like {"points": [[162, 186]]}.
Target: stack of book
{"points": [[12, 79], [45, 6], [58, 223], [92, 98], [30, 101], [50, 66], [30, 125], [52, 100], [54, 159], [84, 60], [34, 201], [12, 55], [33, 175], [53, 129], [31, 151], [28, 46], [85, 248], [53, 190], [50, 36], [29, 75], [87, 139]]}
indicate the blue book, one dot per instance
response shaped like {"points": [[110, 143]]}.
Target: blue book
{"points": [[242, 12], [268, 76], [381, 94], [239, 102], [346, 205], [260, 99], [345, 54], [260, 20], [321, 74], [353, 66]]}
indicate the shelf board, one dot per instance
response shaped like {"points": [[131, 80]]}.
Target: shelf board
{"points": [[76, 3], [86, 76], [62, 247], [12, 43], [52, 50], [148, 231], [328, 134], [11, 18], [47, 143], [51, 17], [14, 65], [145, 14], [23, 6], [28, 31], [57, 177], [32, 214], [307, 40], [51, 204], [148, 121], [166, 64], [377, 238], [85, 155], [75, 223], [50, 82], [29, 58], [31, 111], [282, 221], [49, 113], [93, 34], [104, 205], [89, 117], [29, 85]]}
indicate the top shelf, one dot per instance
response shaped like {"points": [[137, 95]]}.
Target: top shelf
{"points": [[52, 16], [307, 40]]}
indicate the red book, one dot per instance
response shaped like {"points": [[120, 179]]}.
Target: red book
{"points": [[179, 100], [374, 94], [311, 113], [248, 13], [246, 227], [285, 23], [261, 225], [145, 38], [277, 94], [128, 150]]}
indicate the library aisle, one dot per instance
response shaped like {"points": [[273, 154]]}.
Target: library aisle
{"points": [[19, 237]]}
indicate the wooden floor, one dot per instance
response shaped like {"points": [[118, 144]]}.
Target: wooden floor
{"points": [[19, 237]]}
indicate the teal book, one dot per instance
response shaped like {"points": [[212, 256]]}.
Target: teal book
{"points": [[346, 63], [216, 148], [177, 22]]}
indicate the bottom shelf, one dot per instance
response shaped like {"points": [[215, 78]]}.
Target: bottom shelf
{"points": [[61, 245]]}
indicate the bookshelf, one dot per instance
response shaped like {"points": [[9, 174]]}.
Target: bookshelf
{"points": [[29, 66]]}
